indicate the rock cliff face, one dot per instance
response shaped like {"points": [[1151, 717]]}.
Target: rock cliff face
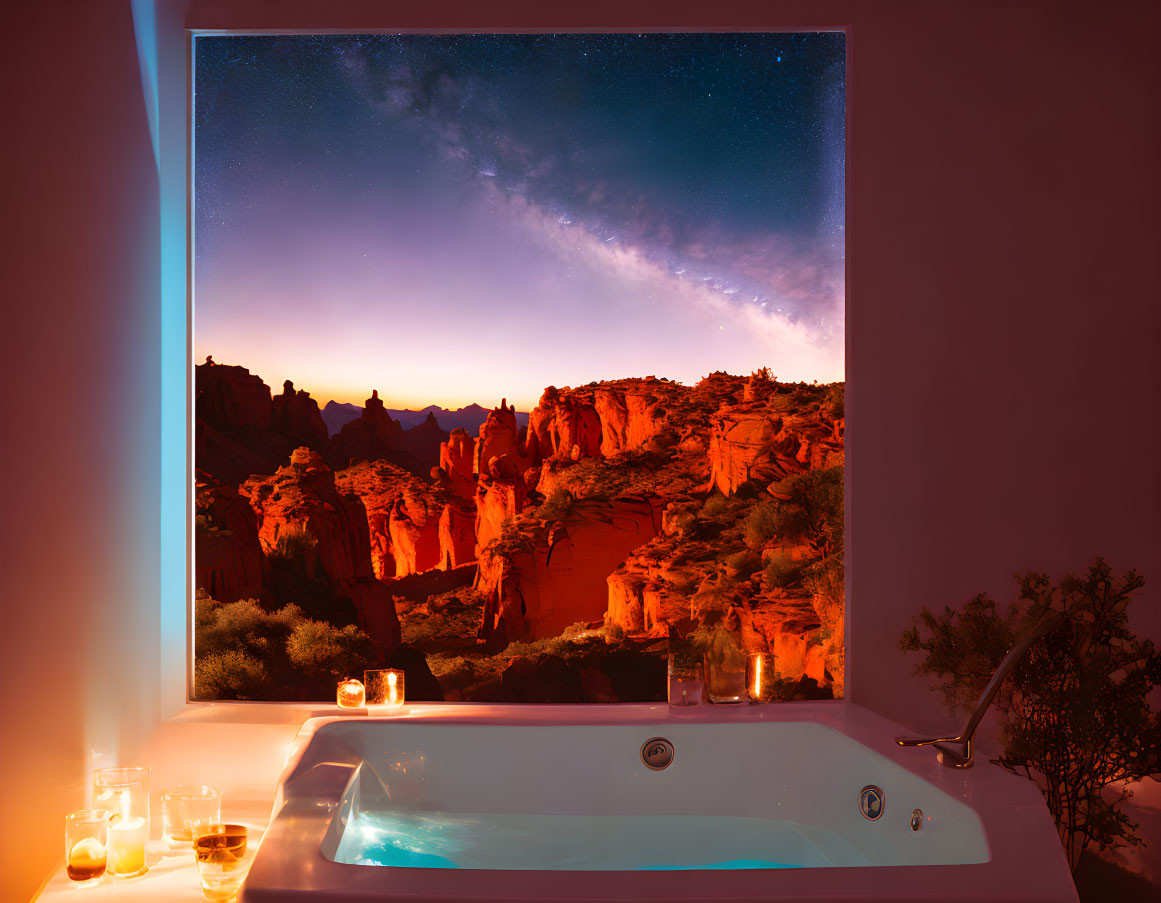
{"points": [[296, 416], [304, 521], [539, 581], [457, 461], [229, 563]]}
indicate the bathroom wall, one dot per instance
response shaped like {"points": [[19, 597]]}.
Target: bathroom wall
{"points": [[1003, 318]]}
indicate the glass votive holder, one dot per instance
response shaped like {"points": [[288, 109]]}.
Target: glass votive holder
{"points": [[686, 684], [124, 792], [86, 833], [223, 858], [350, 694], [761, 677], [187, 809], [384, 689]]}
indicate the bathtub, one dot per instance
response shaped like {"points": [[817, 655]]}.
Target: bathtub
{"points": [[800, 801]]}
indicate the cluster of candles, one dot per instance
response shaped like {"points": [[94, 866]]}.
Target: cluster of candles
{"points": [[111, 837], [379, 691]]}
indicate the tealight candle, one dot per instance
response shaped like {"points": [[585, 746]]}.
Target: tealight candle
{"points": [[351, 694], [384, 689], [85, 833], [127, 836]]}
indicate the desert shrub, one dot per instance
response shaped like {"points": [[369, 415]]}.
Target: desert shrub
{"points": [[781, 571], [244, 626], [556, 506], [759, 526], [827, 578], [814, 509], [1075, 713], [230, 674], [243, 651], [835, 401], [321, 648], [744, 562], [716, 505]]}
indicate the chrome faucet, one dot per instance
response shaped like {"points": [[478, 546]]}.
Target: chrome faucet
{"points": [[962, 758]]}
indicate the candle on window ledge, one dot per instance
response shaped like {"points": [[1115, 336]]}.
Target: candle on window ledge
{"points": [[351, 694], [760, 677], [384, 689], [127, 836]]}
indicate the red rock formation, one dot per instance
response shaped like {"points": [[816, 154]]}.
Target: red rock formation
{"points": [[456, 460], [631, 416], [372, 436], [232, 399], [303, 518], [496, 500], [557, 576], [228, 560], [422, 444], [499, 438], [296, 416], [415, 533], [378, 485], [566, 426], [457, 535]]}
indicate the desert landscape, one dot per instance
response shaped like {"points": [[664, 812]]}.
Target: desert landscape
{"points": [[544, 556]]}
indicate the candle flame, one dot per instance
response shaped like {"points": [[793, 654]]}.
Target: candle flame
{"points": [[758, 677]]}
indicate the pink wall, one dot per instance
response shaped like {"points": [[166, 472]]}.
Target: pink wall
{"points": [[1003, 321]]}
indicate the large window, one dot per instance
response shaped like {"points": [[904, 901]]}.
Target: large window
{"points": [[519, 362]]}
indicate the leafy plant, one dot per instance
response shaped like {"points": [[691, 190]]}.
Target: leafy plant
{"points": [[1075, 713]]}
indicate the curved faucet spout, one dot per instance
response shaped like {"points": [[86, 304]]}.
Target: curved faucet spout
{"points": [[962, 757]]}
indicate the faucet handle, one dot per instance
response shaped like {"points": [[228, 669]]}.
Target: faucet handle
{"points": [[952, 758], [916, 741]]}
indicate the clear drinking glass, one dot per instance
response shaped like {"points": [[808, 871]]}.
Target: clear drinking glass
{"points": [[187, 809], [86, 833], [224, 857], [124, 792], [685, 680]]}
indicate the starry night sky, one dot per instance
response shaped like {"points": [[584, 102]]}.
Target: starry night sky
{"points": [[456, 218]]}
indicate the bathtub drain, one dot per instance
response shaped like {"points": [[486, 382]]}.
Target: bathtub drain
{"points": [[657, 753]]}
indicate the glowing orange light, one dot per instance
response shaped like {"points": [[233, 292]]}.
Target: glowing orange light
{"points": [[351, 694]]}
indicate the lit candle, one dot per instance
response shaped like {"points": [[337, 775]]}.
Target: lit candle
{"points": [[127, 836], [760, 677], [384, 689], [350, 694]]}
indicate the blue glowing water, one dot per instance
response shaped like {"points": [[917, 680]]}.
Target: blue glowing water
{"points": [[442, 840]]}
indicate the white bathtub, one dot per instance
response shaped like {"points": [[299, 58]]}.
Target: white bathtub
{"points": [[521, 803]]}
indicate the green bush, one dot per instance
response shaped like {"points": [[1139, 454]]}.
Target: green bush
{"points": [[231, 674], [243, 651], [1075, 712], [321, 648]]}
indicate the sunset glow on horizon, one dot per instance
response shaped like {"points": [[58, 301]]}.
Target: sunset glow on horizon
{"points": [[456, 219]]}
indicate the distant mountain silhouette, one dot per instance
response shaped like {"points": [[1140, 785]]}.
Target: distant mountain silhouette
{"points": [[337, 414]]}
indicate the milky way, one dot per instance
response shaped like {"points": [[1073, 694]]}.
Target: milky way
{"points": [[455, 218]]}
